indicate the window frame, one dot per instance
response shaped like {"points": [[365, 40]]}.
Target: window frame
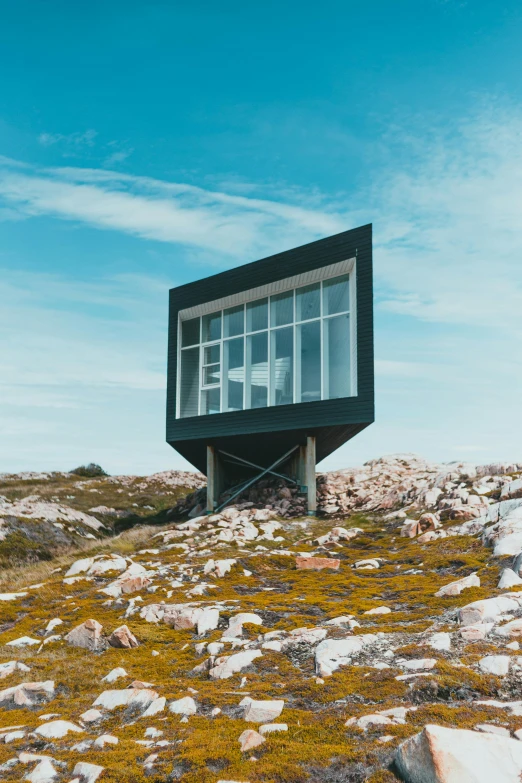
{"points": [[321, 318]]}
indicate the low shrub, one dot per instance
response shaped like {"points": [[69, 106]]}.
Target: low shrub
{"points": [[89, 471]]}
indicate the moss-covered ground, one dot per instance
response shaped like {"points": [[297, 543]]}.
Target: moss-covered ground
{"points": [[317, 745]]}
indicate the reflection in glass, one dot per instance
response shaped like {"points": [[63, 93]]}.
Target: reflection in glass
{"points": [[336, 357], [257, 370], [234, 321], [211, 327], [210, 400], [308, 302], [308, 359], [211, 374], [189, 385], [190, 332], [257, 315], [282, 309], [336, 295], [211, 354], [281, 366], [234, 374]]}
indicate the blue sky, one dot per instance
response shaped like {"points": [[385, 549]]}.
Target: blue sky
{"points": [[145, 145]]}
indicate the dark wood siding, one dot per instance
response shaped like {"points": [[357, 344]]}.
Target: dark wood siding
{"points": [[334, 421]]}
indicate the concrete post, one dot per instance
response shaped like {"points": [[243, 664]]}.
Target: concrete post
{"points": [[310, 475]]}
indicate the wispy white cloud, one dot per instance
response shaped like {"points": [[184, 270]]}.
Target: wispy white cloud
{"points": [[448, 243], [53, 349], [72, 140], [166, 212], [118, 156]]}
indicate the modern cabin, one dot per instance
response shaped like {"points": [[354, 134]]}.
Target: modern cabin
{"points": [[270, 364]]}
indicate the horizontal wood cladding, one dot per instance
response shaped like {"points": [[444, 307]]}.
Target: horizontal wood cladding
{"points": [[347, 410], [333, 421]]}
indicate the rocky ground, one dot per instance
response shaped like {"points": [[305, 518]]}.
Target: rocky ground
{"points": [[377, 642]]}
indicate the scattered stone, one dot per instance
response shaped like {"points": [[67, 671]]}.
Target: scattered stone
{"points": [[476, 632], [269, 728], [513, 628], [114, 674], [235, 624], [56, 729], [440, 641], [156, 706], [418, 664], [250, 739], [316, 563], [23, 694], [44, 772], [87, 773], [184, 706], [208, 620], [12, 666], [495, 664], [509, 579], [23, 641], [91, 716], [122, 637], [11, 596], [87, 635], [379, 610], [105, 739], [368, 564], [332, 653], [455, 588], [227, 666], [138, 697], [262, 711]]}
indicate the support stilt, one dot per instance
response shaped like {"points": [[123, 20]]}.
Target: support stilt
{"points": [[311, 487], [214, 478]]}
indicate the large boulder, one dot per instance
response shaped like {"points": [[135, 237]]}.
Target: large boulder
{"points": [[441, 755], [488, 609], [505, 535]]}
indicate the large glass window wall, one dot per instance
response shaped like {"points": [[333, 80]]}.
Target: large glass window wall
{"points": [[287, 348]]}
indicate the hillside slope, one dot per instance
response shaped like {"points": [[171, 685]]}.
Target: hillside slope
{"points": [[255, 646]]}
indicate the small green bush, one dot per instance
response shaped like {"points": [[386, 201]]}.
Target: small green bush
{"points": [[89, 471]]}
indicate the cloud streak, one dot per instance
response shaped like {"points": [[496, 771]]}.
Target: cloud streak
{"points": [[165, 212]]}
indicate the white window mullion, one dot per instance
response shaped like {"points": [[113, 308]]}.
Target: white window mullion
{"points": [[269, 354], [244, 358], [221, 354], [294, 358], [201, 354], [321, 338], [178, 371]]}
